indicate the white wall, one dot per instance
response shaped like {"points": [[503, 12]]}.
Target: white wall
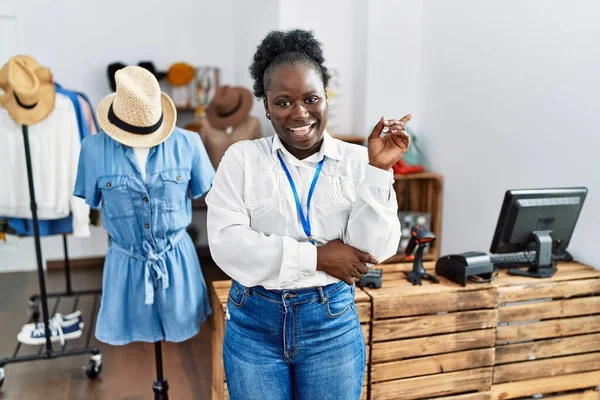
{"points": [[393, 61], [77, 41], [509, 99], [18, 254], [251, 24], [359, 40]]}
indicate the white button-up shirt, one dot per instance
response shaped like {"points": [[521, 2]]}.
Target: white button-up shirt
{"points": [[254, 230], [54, 144]]}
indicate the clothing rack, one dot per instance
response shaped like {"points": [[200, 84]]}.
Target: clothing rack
{"points": [[46, 352]]}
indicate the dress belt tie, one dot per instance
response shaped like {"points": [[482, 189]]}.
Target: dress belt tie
{"points": [[155, 267]]}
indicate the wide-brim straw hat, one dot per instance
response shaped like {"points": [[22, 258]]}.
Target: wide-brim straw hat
{"points": [[29, 93], [138, 114], [229, 107]]}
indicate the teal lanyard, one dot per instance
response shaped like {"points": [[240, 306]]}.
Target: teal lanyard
{"points": [[305, 220]]}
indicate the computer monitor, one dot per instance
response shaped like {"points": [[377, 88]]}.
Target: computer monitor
{"points": [[541, 220]]}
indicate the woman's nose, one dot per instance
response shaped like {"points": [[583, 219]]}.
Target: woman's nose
{"points": [[299, 112]]}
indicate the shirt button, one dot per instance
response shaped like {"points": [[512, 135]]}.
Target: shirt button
{"points": [[147, 226], [145, 199], [108, 184]]}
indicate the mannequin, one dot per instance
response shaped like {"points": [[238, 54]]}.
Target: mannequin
{"points": [[228, 121], [141, 154], [143, 170]]}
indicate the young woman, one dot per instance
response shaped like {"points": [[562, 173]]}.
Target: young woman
{"points": [[293, 219]]}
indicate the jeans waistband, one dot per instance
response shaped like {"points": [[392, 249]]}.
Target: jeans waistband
{"points": [[155, 268], [304, 295]]}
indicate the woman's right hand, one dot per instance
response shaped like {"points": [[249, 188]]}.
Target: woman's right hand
{"points": [[343, 261]]}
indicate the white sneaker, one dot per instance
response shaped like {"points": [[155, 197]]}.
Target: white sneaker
{"points": [[58, 318], [67, 330]]}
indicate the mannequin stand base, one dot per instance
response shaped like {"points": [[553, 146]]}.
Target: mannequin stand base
{"points": [[160, 390]]}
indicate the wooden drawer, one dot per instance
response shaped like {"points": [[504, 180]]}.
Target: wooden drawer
{"points": [[548, 334], [431, 340]]}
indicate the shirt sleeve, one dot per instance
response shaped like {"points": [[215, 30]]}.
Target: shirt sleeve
{"points": [[79, 208], [86, 186], [373, 225], [202, 170], [246, 255]]}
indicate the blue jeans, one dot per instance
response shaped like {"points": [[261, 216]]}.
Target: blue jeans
{"points": [[293, 344]]}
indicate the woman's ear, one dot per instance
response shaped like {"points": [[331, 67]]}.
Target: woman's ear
{"points": [[268, 114]]}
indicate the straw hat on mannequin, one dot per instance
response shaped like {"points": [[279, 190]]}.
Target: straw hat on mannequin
{"points": [[138, 114]]}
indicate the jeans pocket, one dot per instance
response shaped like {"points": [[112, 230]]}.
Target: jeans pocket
{"points": [[237, 294], [339, 303]]}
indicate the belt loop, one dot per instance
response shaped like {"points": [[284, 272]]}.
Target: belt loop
{"points": [[322, 297]]}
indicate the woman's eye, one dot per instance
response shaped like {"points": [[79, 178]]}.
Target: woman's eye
{"points": [[283, 103], [312, 100]]}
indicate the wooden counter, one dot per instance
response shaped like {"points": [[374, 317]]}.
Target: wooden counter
{"points": [[514, 338]]}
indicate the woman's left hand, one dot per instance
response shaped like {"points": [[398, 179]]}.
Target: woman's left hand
{"points": [[386, 150]]}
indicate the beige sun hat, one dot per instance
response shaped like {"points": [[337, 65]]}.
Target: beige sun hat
{"points": [[138, 114], [29, 93]]}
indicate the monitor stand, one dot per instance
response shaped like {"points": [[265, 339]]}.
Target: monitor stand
{"points": [[544, 265]]}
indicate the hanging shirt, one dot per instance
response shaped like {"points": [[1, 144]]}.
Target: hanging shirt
{"points": [[81, 121], [54, 145], [254, 230], [88, 113], [86, 106], [87, 125], [46, 227]]}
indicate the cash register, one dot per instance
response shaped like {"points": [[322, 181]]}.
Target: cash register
{"points": [[533, 231]]}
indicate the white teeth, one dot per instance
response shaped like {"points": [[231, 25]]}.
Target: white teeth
{"points": [[300, 128]]}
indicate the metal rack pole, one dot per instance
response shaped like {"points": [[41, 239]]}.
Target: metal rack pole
{"points": [[67, 265], [36, 233]]}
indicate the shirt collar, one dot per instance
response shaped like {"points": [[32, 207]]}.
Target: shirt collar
{"points": [[330, 148]]}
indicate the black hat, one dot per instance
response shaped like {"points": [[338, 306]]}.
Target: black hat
{"points": [[150, 67], [112, 68]]}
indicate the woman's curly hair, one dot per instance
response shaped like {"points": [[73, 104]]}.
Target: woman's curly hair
{"points": [[279, 47]]}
